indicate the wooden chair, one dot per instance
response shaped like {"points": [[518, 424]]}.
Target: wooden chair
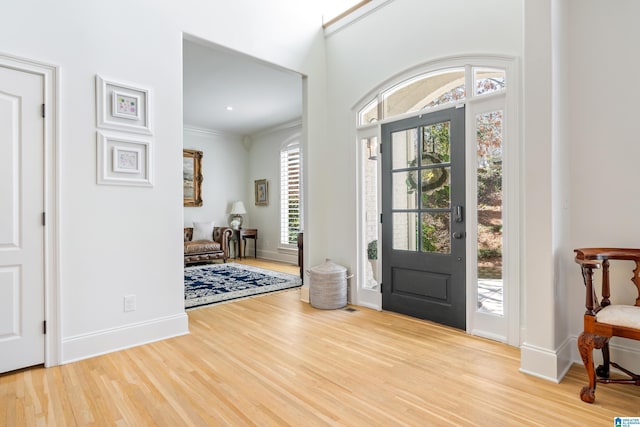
{"points": [[604, 320]]}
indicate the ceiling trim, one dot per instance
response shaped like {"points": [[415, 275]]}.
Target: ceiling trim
{"points": [[282, 126], [209, 132]]}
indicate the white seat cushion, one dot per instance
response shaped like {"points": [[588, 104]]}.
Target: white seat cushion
{"points": [[620, 315]]}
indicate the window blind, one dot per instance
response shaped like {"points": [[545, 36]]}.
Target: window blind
{"points": [[290, 195]]}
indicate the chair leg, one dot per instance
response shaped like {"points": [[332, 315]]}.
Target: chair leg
{"points": [[603, 370], [586, 343]]}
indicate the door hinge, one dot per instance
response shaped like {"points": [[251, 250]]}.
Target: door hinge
{"points": [[380, 287], [44, 218], [44, 327], [43, 110], [380, 218]]}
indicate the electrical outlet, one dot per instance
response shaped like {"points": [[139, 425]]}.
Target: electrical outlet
{"points": [[129, 303]]}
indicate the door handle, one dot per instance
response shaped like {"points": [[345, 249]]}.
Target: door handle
{"points": [[457, 235], [458, 216]]}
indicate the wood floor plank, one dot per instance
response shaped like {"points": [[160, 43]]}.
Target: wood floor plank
{"points": [[273, 361]]}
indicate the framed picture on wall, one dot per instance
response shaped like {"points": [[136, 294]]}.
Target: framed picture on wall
{"points": [[192, 177], [262, 192], [123, 106], [127, 160], [123, 160]]}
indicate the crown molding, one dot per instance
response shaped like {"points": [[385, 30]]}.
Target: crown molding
{"points": [[194, 130]]}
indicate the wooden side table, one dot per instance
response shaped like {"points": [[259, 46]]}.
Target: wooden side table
{"points": [[248, 233]]}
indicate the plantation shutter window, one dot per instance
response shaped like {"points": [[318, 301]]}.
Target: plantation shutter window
{"points": [[290, 195]]}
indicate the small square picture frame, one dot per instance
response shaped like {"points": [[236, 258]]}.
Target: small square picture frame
{"points": [[124, 160], [123, 106], [127, 160]]}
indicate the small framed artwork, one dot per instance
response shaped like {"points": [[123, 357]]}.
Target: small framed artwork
{"points": [[127, 160], [124, 160], [192, 177], [262, 192], [123, 106]]}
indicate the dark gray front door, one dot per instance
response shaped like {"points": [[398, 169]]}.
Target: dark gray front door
{"points": [[423, 231]]}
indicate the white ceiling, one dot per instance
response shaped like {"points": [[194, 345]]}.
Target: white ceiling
{"points": [[261, 94]]}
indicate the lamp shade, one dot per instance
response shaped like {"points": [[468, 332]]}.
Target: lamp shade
{"points": [[238, 208]]}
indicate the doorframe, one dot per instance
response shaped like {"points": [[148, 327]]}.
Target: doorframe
{"points": [[51, 203], [512, 189]]}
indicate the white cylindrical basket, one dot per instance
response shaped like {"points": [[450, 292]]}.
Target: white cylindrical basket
{"points": [[328, 286]]}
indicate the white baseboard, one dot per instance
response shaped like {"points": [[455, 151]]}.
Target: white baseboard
{"points": [[93, 344], [278, 256], [304, 293], [544, 363], [564, 357], [369, 305], [625, 353]]}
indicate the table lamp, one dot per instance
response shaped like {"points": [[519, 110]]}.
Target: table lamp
{"points": [[237, 210]]}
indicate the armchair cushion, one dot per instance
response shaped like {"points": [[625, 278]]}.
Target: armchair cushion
{"points": [[620, 315]]}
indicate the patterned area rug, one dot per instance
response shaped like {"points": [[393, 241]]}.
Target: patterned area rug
{"points": [[214, 283]]}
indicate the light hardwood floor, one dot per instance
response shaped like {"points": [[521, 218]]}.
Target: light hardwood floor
{"points": [[273, 360]]}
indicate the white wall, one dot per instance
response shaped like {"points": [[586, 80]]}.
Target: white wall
{"points": [[116, 241], [538, 355], [264, 163], [224, 170], [604, 145]]}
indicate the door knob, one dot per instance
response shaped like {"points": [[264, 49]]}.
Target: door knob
{"points": [[458, 235]]}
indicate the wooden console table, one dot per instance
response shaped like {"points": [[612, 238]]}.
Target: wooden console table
{"points": [[243, 235]]}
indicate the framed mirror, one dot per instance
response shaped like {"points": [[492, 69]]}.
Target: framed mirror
{"points": [[192, 177]]}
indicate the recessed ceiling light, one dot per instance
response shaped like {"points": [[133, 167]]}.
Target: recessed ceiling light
{"points": [[229, 108]]}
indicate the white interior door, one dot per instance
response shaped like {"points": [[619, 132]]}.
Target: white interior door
{"points": [[21, 225]]}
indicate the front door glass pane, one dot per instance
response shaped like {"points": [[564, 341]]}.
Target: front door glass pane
{"points": [[436, 145], [489, 177], [436, 188], [405, 195], [405, 148], [436, 232], [405, 231]]}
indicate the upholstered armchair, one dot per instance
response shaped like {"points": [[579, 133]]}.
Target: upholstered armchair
{"points": [[610, 316], [205, 250]]}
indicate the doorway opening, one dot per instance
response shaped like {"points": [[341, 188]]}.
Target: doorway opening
{"points": [[423, 237], [29, 266], [239, 113], [488, 211]]}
